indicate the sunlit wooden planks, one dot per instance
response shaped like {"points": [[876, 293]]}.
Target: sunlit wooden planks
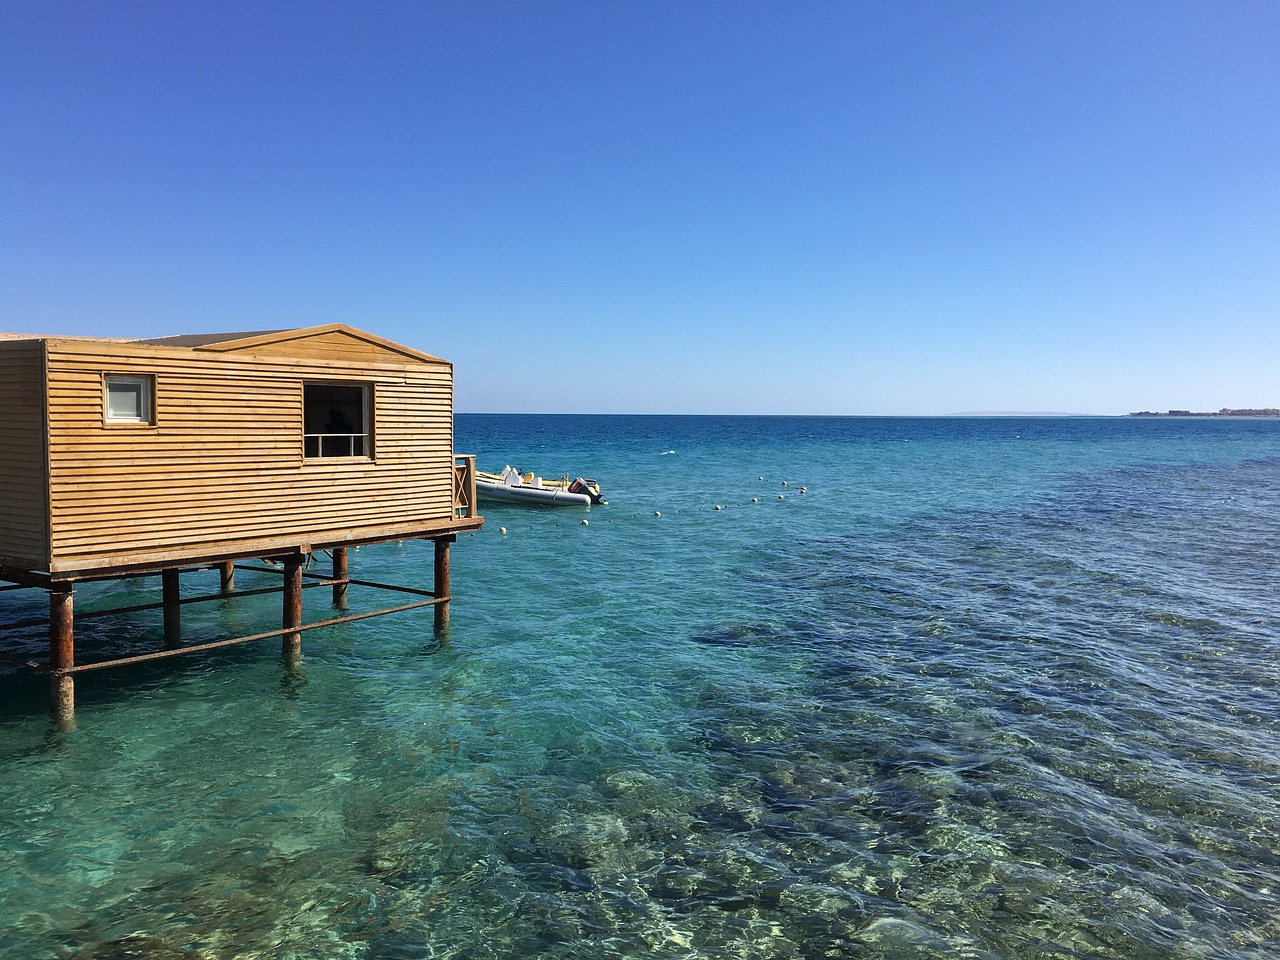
{"points": [[223, 458]]}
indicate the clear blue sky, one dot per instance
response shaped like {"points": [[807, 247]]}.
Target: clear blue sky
{"points": [[701, 206]]}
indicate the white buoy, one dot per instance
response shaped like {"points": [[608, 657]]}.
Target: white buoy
{"points": [[584, 523], [784, 483], [755, 499], [804, 489], [657, 513], [781, 496], [717, 506], [502, 529], [759, 478]]}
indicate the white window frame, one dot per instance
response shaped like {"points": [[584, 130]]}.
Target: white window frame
{"points": [[145, 387]]}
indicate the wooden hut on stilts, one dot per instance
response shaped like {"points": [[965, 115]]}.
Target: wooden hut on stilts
{"points": [[132, 457]]}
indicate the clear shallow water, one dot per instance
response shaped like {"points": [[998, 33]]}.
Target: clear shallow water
{"points": [[989, 688]]}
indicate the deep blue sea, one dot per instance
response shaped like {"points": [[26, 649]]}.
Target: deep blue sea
{"points": [[919, 688]]}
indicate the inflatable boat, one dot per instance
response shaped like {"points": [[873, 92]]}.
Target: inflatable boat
{"points": [[512, 486]]}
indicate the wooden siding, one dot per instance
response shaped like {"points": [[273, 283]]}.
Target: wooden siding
{"points": [[24, 516], [222, 465]]}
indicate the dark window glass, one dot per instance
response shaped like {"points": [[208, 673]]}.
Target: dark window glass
{"points": [[335, 420]]}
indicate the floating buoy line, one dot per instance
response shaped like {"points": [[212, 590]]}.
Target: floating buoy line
{"points": [[715, 507]]}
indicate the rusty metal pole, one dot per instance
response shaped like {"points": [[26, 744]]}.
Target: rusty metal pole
{"points": [[228, 577], [441, 588], [291, 643], [62, 655], [340, 577], [172, 607]]}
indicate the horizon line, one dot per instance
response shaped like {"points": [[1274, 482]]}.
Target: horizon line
{"points": [[939, 416]]}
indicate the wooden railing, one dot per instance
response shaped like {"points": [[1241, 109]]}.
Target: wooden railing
{"points": [[464, 486]]}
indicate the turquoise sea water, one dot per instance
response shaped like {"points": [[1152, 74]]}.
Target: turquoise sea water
{"points": [[987, 688]]}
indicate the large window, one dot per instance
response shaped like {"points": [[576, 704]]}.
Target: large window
{"points": [[336, 418], [128, 398]]}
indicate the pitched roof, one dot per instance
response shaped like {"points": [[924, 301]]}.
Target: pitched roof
{"points": [[247, 340], [329, 331], [205, 339], [47, 336]]}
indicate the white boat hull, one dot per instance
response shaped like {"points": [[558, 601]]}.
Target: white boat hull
{"points": [[526, 493]]}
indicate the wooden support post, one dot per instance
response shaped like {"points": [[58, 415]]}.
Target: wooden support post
{"points": [[441, 588], [62, 655], [229, 577], [340, 577], [172, 607], [291, 643]]}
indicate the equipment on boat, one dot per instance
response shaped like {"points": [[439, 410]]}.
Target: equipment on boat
{"points": [[511, 486]]}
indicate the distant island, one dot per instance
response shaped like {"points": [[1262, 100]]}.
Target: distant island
{"points": [[1224, 412]]}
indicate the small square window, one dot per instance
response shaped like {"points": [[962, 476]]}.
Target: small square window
{"points": [[128, 399], [336, 420]]}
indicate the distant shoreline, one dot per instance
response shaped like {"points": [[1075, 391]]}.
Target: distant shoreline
{"points": [[1224, 412]]}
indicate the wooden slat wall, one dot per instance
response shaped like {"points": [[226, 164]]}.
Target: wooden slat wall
{"points": [[24, 517], [223, 462]]}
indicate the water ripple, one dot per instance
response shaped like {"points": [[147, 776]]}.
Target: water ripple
{"points": [[968, 697]]}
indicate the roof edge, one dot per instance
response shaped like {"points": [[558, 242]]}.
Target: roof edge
{"points": [[249, 341]]}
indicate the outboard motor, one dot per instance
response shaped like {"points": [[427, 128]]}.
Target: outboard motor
{"points": [[589, 487]]}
